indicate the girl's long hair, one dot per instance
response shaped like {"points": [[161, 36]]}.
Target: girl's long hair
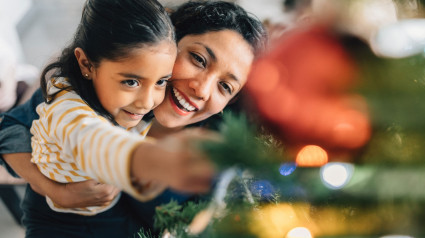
{"points": [[109, 29]]}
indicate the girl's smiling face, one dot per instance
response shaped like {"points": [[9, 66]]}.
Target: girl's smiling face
{"points": [[131, 87], [210, 69]]}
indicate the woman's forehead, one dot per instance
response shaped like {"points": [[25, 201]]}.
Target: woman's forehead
{"points": [[220, 42], [221, 39], [225, 48]]}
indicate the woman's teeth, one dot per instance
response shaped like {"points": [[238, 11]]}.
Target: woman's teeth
{"points": [[183, 103]]}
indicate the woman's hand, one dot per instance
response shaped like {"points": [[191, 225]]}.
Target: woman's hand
{"points": [[176, 162], [83, 194], [72, 195]]}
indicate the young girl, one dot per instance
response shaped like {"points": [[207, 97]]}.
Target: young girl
{"points": [[114, 72]]}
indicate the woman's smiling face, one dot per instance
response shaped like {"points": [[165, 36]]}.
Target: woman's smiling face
{"points": [[210, 69]]}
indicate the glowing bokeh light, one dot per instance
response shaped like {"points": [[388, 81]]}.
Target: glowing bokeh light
{"points": [[336, 175], [401, 39], [299, 232], [396, 236], [311, 156], [276, 220], [286, 169]]}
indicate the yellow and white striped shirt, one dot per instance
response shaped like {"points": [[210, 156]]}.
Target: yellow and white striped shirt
{"points": [[71, 143]]}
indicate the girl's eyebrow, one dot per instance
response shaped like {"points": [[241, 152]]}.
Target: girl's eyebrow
{"points": [[135, 76], [128, 75], [167, 76]]}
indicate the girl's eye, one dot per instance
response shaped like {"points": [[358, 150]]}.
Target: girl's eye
{"points": [[162, 82], [131, 83], [199, 60], [226, 87]]}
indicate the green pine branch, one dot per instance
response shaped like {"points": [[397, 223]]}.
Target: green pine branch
{"points": [[245, 147]]}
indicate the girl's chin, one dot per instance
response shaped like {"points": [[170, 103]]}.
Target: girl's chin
{"points": [[127, 124]]}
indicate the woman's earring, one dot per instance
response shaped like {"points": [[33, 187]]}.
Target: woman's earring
{"points": [[86, 75]]}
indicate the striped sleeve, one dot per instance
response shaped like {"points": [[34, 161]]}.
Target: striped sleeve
{"points": [[99, 149]]}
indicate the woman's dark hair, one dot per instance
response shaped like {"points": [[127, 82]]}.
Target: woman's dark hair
{"points": [[194, 18], [109, 29], [198, 17]]}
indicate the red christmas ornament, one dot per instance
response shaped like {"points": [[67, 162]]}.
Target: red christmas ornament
{"points": [[301, 87]]}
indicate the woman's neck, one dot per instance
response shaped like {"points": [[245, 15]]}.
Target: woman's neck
{"points": [[158, 131]]}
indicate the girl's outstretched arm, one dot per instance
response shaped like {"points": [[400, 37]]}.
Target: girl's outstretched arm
{"points": [[175, 161]]}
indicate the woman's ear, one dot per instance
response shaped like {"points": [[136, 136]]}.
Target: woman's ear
{"points": [[83, 62]]}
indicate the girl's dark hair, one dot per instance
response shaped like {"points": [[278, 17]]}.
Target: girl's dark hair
{"points": [[109, 29], [194, 18]]}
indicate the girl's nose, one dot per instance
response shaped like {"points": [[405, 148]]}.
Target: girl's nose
{"points": [[145, 100]]}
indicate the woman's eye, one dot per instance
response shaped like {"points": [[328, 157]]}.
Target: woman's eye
{"points": [[199, 60], [226, 87], [162, 82], [131, 83]]}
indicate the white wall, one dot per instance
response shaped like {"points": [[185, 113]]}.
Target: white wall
{"points": [[11, 12]]}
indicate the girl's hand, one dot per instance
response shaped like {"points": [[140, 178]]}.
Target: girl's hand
{"points": [[176, 162]]}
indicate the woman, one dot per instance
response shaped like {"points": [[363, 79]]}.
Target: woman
{"points": [[217, 43]]}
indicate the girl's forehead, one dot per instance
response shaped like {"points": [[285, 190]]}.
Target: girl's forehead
{"points": [[128, 54]]}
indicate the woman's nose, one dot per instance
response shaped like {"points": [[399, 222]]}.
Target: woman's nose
{"points": [[202, 87]]}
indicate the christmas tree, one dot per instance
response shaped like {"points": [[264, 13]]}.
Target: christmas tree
{"points": [[337, 148]]}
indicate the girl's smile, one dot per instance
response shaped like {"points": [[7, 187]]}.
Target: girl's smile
{"points": [[133, 116], [131, 87]]}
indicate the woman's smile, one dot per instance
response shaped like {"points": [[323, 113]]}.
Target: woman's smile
{"points": [[209, 71], [181, 103]]}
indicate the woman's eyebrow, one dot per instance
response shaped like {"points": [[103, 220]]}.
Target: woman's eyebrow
{"points": [[232, 76], [209, 51], [214, 58]]}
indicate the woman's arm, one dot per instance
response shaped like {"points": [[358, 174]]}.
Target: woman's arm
{"points": [[82, 194], [15, 148]]}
